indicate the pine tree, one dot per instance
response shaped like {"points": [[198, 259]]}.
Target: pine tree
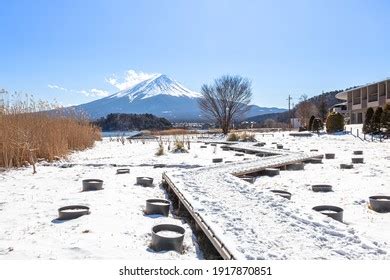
{"points": [[367, 127], [376, 120], [311, 123], [386, 118]]}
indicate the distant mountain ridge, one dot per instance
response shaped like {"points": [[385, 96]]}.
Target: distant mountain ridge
{"points": [[328, 97], [159, 95]]}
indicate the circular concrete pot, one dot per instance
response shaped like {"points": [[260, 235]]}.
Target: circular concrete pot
{"points": [[166, 237], [283, 194], [330, 211], [358, 160], [72, 212], [329, 156], [215, 160], [145, 181], [92, 185], [358, 152], [380, 203], [157, 206], [271, 172], [123, 171], [296, 166], [321, 188], [346, 166]]}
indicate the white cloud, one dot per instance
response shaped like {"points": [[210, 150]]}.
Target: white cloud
{"points": [[94, 92], [56, 87], [131, 78]]}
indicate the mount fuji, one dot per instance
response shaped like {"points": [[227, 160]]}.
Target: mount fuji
{"points": [[159, 95]]}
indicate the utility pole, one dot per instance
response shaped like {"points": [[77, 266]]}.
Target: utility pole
{"points": [[289, 111]]}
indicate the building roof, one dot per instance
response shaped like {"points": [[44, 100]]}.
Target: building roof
{"points": [[343, 95]]}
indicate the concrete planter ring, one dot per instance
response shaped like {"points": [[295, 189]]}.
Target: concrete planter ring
{"points": [[333, 212], [216, 160], [166, 237], [358, 160], [123, 171], [283, 194], [321, 188], [157, 206], [145, 181], [380, 203], [92, 185], [72, 212], [329, 156], [346, 166]]}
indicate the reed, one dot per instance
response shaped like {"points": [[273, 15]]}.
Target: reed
{"points": [[28, 131]]}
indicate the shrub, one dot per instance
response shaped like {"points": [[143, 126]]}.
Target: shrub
{"points": [[311, 123], [233, 137], [160, 150], [376, 123], [317, 125], [334, 122], [179, 146], [247, 137]]}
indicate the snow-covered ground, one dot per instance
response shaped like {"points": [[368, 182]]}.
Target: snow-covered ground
{"points": [[117, 227]]}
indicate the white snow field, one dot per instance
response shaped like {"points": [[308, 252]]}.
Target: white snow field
{"points": [[253, 222]]}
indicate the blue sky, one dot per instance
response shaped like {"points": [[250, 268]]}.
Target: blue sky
{"points": [[68, 50]]}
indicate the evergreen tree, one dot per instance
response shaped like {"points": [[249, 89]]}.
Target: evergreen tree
{"points": [[311, 123], [334, 122], [367, 126], [317, 125], [376, 120], [386, 118]]}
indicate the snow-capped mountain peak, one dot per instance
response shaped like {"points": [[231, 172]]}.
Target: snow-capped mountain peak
{"points": [[158, 84]]}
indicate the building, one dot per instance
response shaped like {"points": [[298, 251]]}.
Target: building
{"points": [[359, 99], [339, 108]]}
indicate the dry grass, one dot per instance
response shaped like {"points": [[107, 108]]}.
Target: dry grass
{"points": [[27, 135]]}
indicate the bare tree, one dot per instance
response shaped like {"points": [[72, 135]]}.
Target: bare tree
{"points": [[305, 109], [322, 108], [226, 100]]}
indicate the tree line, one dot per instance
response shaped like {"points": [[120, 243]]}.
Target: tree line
{"points": [[129, 122]]}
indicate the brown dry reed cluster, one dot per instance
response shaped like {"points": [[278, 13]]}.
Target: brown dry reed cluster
{"points": [[31, 130]]}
